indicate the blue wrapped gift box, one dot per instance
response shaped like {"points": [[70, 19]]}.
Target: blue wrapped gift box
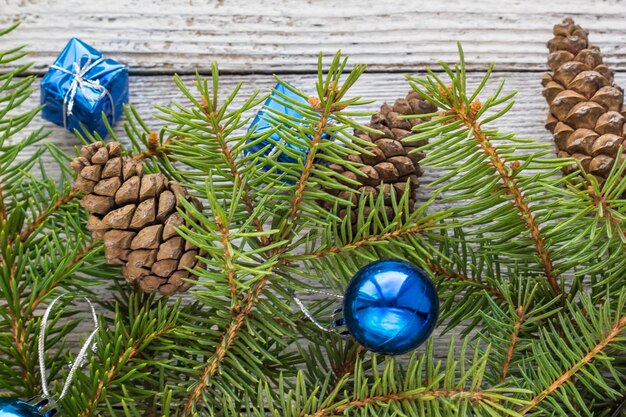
{"points": [[264, 121], [81, 85]]}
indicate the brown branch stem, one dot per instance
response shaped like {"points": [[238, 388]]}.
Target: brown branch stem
{"points": [[334, 250], [151, 153], [20, 347], [514, 340], [450, 275], [227, 341], [230, 272], [471, 396], [155, 148], [347, 365], [19, 337]]}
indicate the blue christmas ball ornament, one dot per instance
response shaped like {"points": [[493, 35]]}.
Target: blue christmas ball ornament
{"points": [[280, 103], [35, 407], [390, 307]]}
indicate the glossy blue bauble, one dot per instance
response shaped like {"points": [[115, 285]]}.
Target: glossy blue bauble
{"points": [[36, 407], [391, 307], [264, 121]]}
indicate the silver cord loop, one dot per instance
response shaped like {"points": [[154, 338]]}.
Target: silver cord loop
{"points": [[80, 358], [328, 328], [313, 320], [329, 294]]}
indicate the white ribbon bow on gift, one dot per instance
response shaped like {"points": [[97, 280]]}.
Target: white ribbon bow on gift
{"points": [[79, 79]]}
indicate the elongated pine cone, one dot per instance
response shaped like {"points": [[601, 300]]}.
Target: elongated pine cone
{"points": [[135, 215], [393, 164], [586, 113]]}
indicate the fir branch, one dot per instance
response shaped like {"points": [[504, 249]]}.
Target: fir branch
{"points": [[249, 300], [608, 199], [391, 236], [106, 380], [330, 100], [569, 373], [422, 388], [450, 275], [513, 342], [210, 126], [19, 338], [228, 256], [76, 261], [380, 400], [18, 333], [218, 133], [301, 185], [227, 341], [44, 215], [156, 324], [468, 116], [365, 241]]}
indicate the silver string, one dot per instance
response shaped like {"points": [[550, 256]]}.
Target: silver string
{"points": [[329, 294], [313, 320], [80, 358], [328, 328], [79, 80]]}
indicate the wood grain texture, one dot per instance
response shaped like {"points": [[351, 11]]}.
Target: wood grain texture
{"points": [[266, 36], [526, 118]]}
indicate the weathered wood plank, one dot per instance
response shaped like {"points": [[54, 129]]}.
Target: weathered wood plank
{"points": [[265, 36], [526, 118]]}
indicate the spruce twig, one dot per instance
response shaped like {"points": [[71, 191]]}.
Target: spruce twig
{"points": [[567, 374], [330, 101]]}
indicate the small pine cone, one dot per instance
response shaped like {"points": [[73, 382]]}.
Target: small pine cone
{"points": [[135, 215], [586, 114], [394, 164]]}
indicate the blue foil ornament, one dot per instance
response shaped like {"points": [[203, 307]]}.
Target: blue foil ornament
{"points": [[391, 307], [36, 407], [80, 86], [263, 121]]}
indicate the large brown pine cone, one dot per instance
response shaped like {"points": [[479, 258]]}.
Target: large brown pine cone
{"points": [[586, 113], [393, 164], [135, 215]]}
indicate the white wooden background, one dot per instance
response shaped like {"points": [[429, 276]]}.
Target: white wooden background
{"points": [[252, 39]]}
